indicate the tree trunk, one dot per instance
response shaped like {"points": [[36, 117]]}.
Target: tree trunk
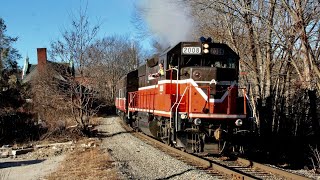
{"points": [[257, 90], [313, 112], [269, 49], [253, 51]]}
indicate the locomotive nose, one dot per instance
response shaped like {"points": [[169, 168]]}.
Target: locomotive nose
{"points": [[199, 73]]}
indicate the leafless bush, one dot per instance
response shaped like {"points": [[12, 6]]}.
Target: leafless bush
{"points": [[315, 159], [61, 100], [49, 100]]}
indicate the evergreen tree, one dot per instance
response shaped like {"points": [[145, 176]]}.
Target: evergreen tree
{"points": [[10, 92], [8, 54]]}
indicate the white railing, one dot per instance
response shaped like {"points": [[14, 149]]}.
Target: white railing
{"points": [[177, 91], [131, 100], [176, 113]]}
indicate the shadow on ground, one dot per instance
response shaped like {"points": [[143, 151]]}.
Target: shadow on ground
{"points": [[104, 134], [19, 163], [178, 174]]}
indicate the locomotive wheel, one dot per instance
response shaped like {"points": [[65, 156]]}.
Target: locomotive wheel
{"points": [[134, 126], [124, 117], [121, 116]]}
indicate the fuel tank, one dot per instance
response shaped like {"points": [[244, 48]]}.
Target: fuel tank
{"points": [[147, 124]]}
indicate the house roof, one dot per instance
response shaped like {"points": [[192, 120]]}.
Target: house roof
{"points": [[59, 68], [32, 73], [32, 67]]}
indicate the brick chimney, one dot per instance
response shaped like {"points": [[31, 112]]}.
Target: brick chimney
{"points": [[42, 58]]}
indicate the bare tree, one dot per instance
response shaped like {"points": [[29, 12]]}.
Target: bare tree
{"points": [[275, 39], [74, 48], [115, 57], [98, 64], [304, 16]]}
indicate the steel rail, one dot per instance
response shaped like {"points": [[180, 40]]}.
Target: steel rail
{"points": [[207, 164], [204, 163], [286, 174]]}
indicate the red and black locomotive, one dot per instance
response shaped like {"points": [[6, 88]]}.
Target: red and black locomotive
{"points": [[195, 105]]}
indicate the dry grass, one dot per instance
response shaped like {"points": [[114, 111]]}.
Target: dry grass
{"points": [[86, 163], [95, 121]]}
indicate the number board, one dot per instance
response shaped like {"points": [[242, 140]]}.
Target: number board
{"points": [[191, 50], [217, 51]]}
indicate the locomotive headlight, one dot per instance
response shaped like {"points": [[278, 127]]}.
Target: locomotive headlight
{"points": [[206, 51], [196, 75], [205, 48], [183, 116], [197, 121], [239, 122]]}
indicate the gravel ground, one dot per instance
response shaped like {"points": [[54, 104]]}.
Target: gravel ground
{"points": [[307, 173], [138, 160]]}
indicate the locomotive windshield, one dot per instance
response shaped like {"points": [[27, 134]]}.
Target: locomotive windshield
{"points": [[191, 54], [209, 61]]}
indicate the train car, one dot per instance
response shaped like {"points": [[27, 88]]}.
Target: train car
{"points": [[195, 105], [128, 83]]}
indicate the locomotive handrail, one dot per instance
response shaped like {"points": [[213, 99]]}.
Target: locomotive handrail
{"points": [[229, 100], [208, 95], [176, 117], [131, 98], [176, 93], [245, 101]]}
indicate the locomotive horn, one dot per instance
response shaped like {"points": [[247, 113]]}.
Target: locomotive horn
{"points": [[202, 39]]}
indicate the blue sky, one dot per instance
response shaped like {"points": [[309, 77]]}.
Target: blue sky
{"points": [[38, 22]]}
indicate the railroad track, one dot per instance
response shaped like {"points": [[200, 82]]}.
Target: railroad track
{"points": [[221, 168]]}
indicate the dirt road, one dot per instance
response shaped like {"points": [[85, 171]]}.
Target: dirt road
{"points": [[28, 169]]}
